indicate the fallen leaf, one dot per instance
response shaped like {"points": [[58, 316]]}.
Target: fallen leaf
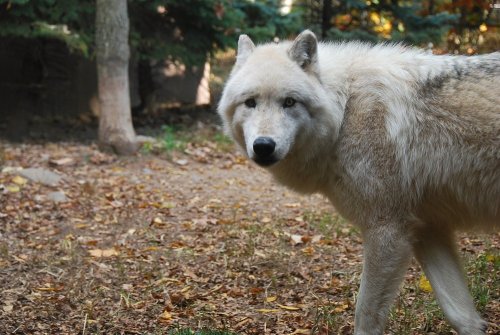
{"points": [[295, 239], [264, 310], [492, 258], [271, 299], [181, 162], [301, 332], [292, 205], [49, 289], [341, 308], [62, 161], [12, 188], [308, 251], [103, 252], [424, 284], [289, 308], [19, 180], [165, 317], [8, 307]]}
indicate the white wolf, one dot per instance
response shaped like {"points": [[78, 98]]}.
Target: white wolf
{"points": [[404, 143]]}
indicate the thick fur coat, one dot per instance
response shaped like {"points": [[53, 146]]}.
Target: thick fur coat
{"points": [[404, 143]]}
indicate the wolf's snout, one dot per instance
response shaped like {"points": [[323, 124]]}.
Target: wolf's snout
{"points": [[264, 147], [264, 150]]}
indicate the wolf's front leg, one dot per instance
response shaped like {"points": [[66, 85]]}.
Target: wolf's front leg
{"points": [[387, 252], [436, 253]]}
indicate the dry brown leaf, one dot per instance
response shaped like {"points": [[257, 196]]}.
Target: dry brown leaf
{"points": [[301, 332], [103, 252], [62, 161], [341, 308], [7, 308], [165, 317]]}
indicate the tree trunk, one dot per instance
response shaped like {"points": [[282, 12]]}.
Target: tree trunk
{"points": [[116, 131], [326, 17]]}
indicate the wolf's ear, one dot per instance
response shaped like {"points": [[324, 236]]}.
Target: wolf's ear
{"points": [[245, 48], [304, 50]]}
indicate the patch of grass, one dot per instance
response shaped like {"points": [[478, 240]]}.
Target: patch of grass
{"points": [[147, 148], [483, 277], [329, 224], [172, 139], [223, 142], [417, 311], [327, 321]]}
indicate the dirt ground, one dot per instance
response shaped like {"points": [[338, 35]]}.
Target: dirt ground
{"points": [[196, 238]]}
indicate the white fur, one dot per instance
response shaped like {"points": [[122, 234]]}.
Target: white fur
{"points": [[404, 143]]}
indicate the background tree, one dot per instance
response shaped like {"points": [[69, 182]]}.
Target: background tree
{"points": [[407, 21], [112, 51]]}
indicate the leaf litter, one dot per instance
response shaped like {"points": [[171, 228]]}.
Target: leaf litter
{"points": [[203, 239]]}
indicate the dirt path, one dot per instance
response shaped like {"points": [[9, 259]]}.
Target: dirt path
{"points": [[145, 244]]}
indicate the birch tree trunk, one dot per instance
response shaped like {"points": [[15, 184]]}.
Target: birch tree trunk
{"points": [[116, 131]]}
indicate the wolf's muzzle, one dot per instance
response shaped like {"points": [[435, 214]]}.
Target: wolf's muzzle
{"points": [[263, 147]]}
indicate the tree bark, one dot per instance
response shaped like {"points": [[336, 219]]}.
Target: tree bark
{"points": [[116, 131], [326, 17]]}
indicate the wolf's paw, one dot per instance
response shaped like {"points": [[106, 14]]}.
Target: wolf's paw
{"points": [[475, 327]]}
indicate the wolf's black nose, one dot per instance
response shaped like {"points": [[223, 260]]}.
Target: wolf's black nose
{"points": [[264, 147]]}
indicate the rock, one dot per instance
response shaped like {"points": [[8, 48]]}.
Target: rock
{"points": [[41, 176], [147, 171], [58, 196], [141, 139]]}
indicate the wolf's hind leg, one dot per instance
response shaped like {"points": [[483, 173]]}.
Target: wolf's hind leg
{"points": [[387, 252], [435, 250]]}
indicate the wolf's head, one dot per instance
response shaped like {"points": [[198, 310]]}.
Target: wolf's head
{"points": [[274, 101]]}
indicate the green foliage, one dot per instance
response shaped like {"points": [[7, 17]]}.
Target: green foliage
{"points": [[335, 34], [381, 20], [71, 21], [187, 31], [182, 30], [171, 139], [488, 263], [415, 28], [263, 20]]}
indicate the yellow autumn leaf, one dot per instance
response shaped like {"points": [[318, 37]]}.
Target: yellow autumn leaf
{"points": [[491, 258], [264, 310], [424, 284], [271, 299], [13, 188], [103, 252], [19, 180], [165, 317], [289, 308], [341, 308]]}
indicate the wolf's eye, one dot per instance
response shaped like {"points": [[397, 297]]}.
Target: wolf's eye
{"points": [[250, 103], [289, 102]]}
